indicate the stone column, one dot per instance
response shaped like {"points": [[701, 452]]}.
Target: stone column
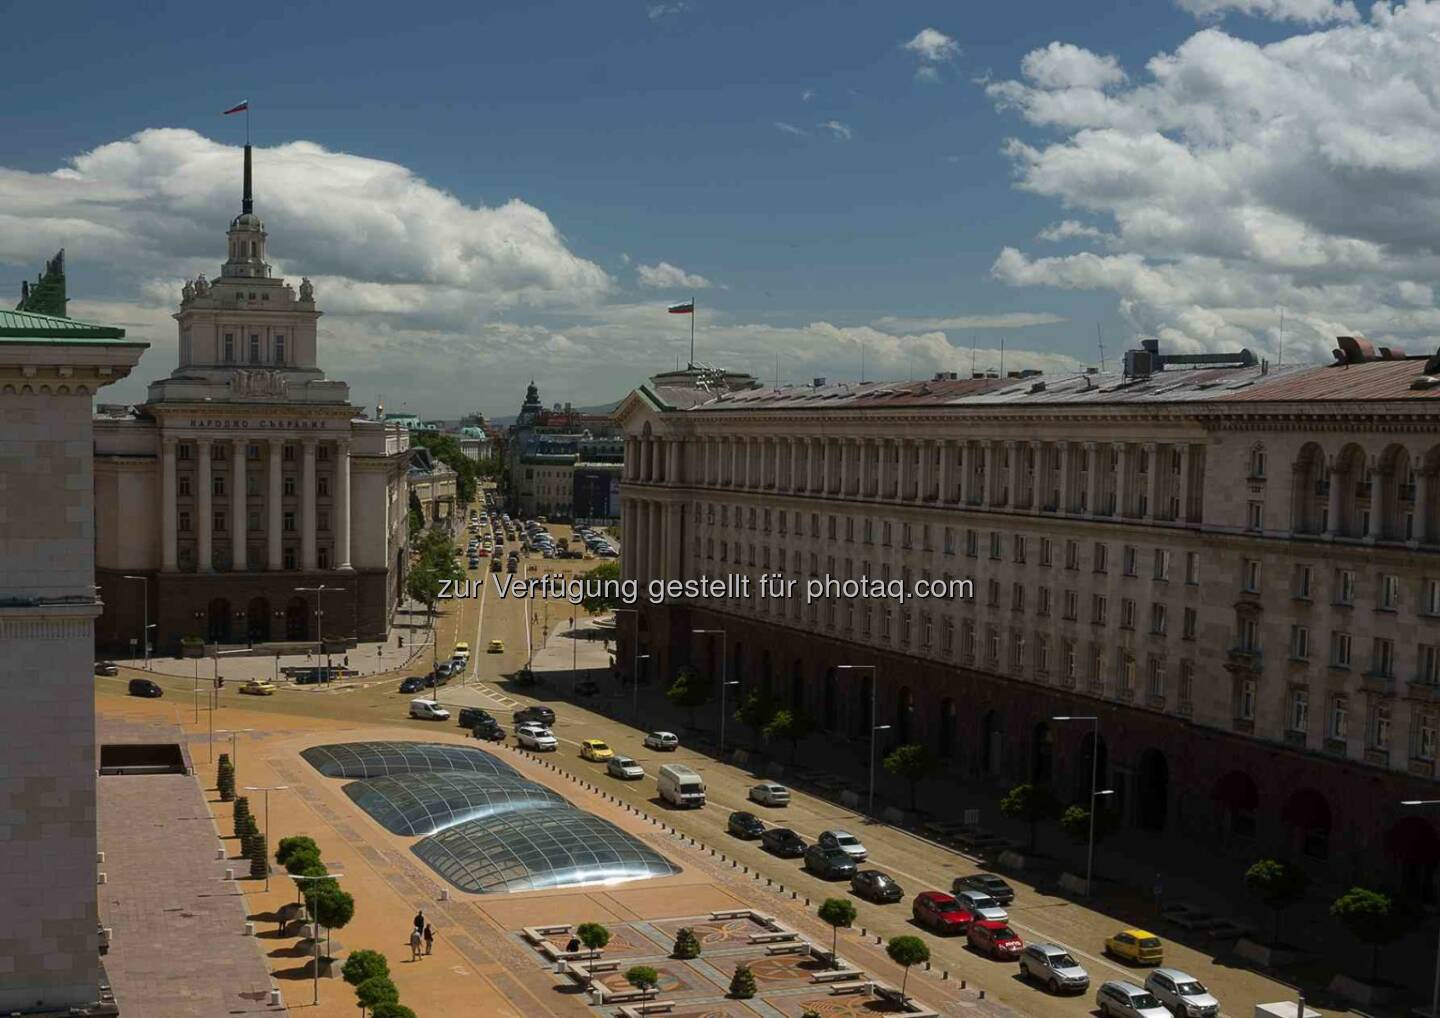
{"points": [[1153, 457], [1337, 492], [1377, 504], [627, 538], [672, 469], [1092, 499], [168, 553], [342, 504], [794, 448], [239, 507], [202, 482], [882, 467], [1182, 514], [946, 484], [1016, 453], [966, 464], [734, 479], [629, 470], [1067, 484], [1122, 480], [843, 452], [662, 549], [925, 469], [987, 487], [307, 505], [1422, 505], [273, 533]]}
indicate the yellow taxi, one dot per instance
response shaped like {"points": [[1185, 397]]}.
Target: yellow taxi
{"points": [[258, 687], [496, 647], [1139, 947], [461, 650], [595, 749]]}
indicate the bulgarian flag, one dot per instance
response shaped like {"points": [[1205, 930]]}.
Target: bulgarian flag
{"points": [[685, 308], [243, 107]]}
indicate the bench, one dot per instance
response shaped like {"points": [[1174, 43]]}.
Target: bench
{"points": [[836, 975], [841, 989], [601, 966], [773, 937], [650, 1007], [791, 948], [731, 913], [538, 934]]}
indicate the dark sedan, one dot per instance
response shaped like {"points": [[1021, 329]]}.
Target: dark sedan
{"points": [[784, 842], [490, 731], [876, 886], [745, 825], [537, 713], [413, 684], [829, 863], [985, 883], [471, 716]]}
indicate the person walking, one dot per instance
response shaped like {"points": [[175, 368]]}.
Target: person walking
{"points": [[415, 944], [429, 939], [420, 921]]}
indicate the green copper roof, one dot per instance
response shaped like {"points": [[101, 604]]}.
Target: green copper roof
{"points": [[27, 326]]}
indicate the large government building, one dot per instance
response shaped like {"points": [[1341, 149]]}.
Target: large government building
{"points": [[245, 475], [1235, 566]]}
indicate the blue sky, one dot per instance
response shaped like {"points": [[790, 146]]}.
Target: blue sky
{"points": [[691, 134]]}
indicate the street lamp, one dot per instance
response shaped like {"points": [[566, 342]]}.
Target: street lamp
{"points": [[723, 683], [1095, 792], [1435, 989], [874, 683], [635, 669], [232, 732], [267, 789], [319, 593], [145, 624], [315, 925]]}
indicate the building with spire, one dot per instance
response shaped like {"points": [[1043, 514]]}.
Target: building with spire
{"points": [[246, 474]]}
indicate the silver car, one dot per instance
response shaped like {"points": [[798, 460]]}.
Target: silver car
{"points": [[1182, 993], [845, 842], [1119, 999], [770, 794], [982, 905], [624, 768], [1053, 967]]}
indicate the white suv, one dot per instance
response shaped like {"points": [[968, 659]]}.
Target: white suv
{"points": [[1182, 993], [662, 741], [536, 737]]}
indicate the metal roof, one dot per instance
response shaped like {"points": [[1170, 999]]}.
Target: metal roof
{"points": [[413, 805], [28, 326], [375, 759]]}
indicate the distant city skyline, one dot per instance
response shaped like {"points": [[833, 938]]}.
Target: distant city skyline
{"points": [[486, 196]]}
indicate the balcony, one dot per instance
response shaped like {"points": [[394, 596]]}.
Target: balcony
{"points": [[1336, 747], [1422, 768], [1185, 710], [1423, 690], [1155, 702], [1245, 726], [1294, 738], [1378, 682], [1377, 757], [1242, 658]]}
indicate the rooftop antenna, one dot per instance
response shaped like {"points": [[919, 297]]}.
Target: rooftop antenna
{"points": [[1002, 356], [777, 370], [1101, 341], [1282, 335], [862, 362], [972, 354]]}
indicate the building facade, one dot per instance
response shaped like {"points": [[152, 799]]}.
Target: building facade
{"points": [[1236, 568], [553, 456], [432, 487], [50, 369], [246, 475]]}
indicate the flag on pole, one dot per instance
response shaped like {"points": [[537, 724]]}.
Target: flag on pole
{"points": [[237, 109], [686, 308]]}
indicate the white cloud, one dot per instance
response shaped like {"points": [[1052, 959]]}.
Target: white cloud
{"points": [[666, 276], [656, 11], [1004, 320], [1070, 229], [928, 74], [1061, 65], [1310, 12], [807, 95], [781, 125], [933, 46], [840, 131], [1240, 177]]}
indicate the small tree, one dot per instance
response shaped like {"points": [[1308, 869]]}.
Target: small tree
{"points": [[1278, 884], [687, 945], [607, 577], [310, 868], [907, 951], [333, 909], [295, 843], [1373, 919], [794, 726], [688, 692], [836, 912], [643, 978], [755, 712], [594, 936], [375, 991], [363, 964], [742, 983], [248, 836], [390, 1009], [225, 779], [241, 815], [221, 766], [259, 858], [810, 1013], [1075, 822], [913, 763], [1032, 804]]}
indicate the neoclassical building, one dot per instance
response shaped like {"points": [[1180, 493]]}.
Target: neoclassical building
{"points": [[1236, 567], [245, 475]]}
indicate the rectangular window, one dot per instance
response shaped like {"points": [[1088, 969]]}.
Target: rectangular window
{"points": [[183, 522], [287, 453], [1019, 547], [1255, 516], [1382, 657], [1072, 604], [972, 543], [1251, 580], [949, 540], [1425, 731], [1389, 592], [1128, 560], [1045, 551], [182, 451], [1339, 721], [1072, 554], [1188, 622], [1299, 720], [1187, 682], [1127, 613], [182, 484], [1097, 609], [322, 520], [1380, 726], [1017, 597], [1344, 586], [1300, 643], [1340, 649], [254, 348], [1430, 593], [1245, 700], [290, 558], [322, 485], [1157, 677], [322, 557], [1159, 619], [229, 348], [288, 524], [1162, 564], [218, 518], [1042, 606], [252, 521], [997, 545], [287, 485], [217, 484], [1303, 577], [1192, 567], [1427, 664], [1101, 557]]}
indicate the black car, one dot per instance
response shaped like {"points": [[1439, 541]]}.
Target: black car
{"points": [[875, 886], [106, 668], [144, 687], [745, 825], [537, 713], [413, 684], [985, 883], [488, 729], [829, 863], [471, 716], [784, 842]]}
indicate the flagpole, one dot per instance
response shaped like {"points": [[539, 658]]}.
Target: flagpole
{"points": [[692, 331]]}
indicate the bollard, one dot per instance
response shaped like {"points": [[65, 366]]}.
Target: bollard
{"points": [[249, 929], [444, 894], [982, 994], [102, 878], [274, 998], [229, 874], [220, 852], [100, 857]]}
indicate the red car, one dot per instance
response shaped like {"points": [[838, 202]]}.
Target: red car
{"points": [[995, 938], [940, 912]]}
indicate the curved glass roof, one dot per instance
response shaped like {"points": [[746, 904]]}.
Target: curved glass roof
{"points": [[377, 759], [537, 848], [419, 804]]}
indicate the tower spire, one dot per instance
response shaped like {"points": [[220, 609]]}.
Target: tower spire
{"points": [[247, 204]]}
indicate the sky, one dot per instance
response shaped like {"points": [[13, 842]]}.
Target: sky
{"points": [[482, 196]]}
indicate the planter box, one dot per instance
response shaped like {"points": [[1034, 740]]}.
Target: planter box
{"points": [[1013, 860], [1266, 955], [1368, 994], [1073, 884]]}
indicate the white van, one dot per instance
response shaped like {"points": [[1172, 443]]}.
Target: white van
{"points": [[680, 786], [428, 710]]}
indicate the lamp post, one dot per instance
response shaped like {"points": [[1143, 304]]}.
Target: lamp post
{"points": [[315, 927], [232, 732], [874, 684], [724, 683], [1095, 792], [1435, 987], [635, 669], [145, 607], [267, 789], [319, 593]]}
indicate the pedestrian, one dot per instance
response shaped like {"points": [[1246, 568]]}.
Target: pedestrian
{"points": [[415, 944], [420, 921], [429, 939], [573, 946]]}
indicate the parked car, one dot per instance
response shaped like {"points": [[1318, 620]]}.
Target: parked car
{"points": [[428, 710], [1182, 993], [471, 716], [146, 688], [413, 684], [495, 566], [106, 668], [767, 793], [258, 687], [875, 886], [984, 906], [537, 713], [462, 650], [940, 912], [1138, 947], [1054, 968], [537, 737], [490, 731], [1119, 999], [986, 883], [829, 863], [444, 670], [784, 842], [663, 741], [624, 768], [845, 842], [744, 825], [596, 749], [994, 938], [496, 647]]}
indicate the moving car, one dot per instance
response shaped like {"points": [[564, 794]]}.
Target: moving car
{"points": [[829, 863], [663, 741], [462, 650], [679, 785], [995, 938], [768, 793], [146, 688], [984, 906], [537, 713], [490, 731], [1119, 999], [106, 668], [428, 710], [940, 912], [784, 842], [985, 883], [624, 768], [1139, 947], [1053, 967], [1182, 993], [596, 749], [259, 687], [845, 842], [413, 684], [744, 825], [876, 886], [496, 647], [537, 737], [471, 716]]}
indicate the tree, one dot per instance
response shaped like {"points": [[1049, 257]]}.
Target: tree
{"points": [[259, 857], [836, 912], [447, 450], [363, 964], [742, 983], [221, 766], [1278, 884], [689, 692], [643, 978], [309, 868], [225, 778], [241, 815], [907, 951], [594, 936], [295, 843], [1075, 822], [687, 945], [248, 837], [755, 712], [415, 516], [913, 763], [794, 726], [1032, 804], [375, 991], [303, 862], [1371, 918], [391, 1009], [604, 581], [333, 909]]}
